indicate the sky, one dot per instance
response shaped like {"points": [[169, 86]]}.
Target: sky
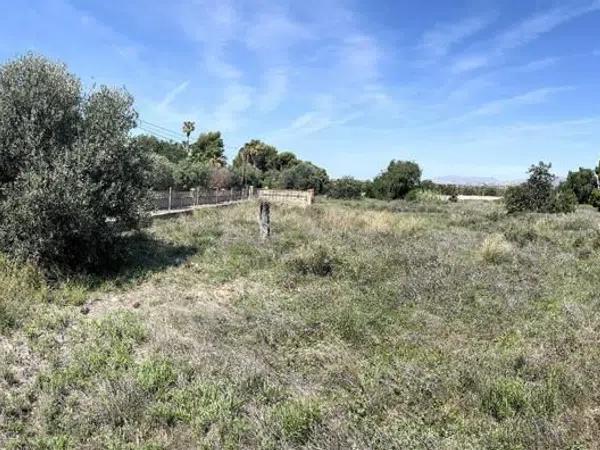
{"points": [[465, 87]]}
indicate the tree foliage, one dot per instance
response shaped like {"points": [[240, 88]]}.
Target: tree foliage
{"points": [[257, 154], [172, 151], [397, 181], [346, 187], [304, 175], [209, 149], [582, 183], [538, 194], [71, 177]]}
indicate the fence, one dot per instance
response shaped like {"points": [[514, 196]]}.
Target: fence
{"points": [[288, 196], [176, 200], [171, 200]]}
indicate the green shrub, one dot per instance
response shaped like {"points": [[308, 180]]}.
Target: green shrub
{"points": [[346, 188], [564, 201], [190, 174], [595, 199], [582, 183], [539, 195], [72, 179], [423, 196], [304, 175], [396, 181]]}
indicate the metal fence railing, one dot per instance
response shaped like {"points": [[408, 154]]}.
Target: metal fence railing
{"points": [[172, 200]]}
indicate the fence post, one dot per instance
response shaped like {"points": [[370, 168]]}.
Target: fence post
{"points": [[170, 197], [216, 195], [265, 220], [197, 195], [231, 194]]}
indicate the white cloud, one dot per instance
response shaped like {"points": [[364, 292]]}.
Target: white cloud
{"points": [[237, 99], [274, 89], [538, 64], [438, 41], [529, 98], [525, 32], [359, 55], [469, 63], [537, 25], [173, 94]]}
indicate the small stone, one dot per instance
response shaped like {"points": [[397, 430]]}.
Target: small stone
{"points": [[85, 309], [136, 304]]}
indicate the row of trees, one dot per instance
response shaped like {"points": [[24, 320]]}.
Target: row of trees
{"points": [[204, 164], [538, 194]]}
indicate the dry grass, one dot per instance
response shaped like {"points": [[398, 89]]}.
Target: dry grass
{"points": [[358, 325]]}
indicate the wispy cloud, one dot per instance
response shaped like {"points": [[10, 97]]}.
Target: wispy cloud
{"points": [[237, 99], [536, 65], [165, 102], [525, 32], [537, 25], [438, 41], [274, 89], [533, 97], [468, 63]]}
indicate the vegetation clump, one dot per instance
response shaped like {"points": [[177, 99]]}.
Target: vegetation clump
{"points": [[70, 177], [538, 194], [346, 188], [396, 181]]}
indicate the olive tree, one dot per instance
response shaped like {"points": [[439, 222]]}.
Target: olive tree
{"points": [[71, 178], [397, 180]]}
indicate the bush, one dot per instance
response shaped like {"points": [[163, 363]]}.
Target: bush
{"points": [[423, 196], [346, 187], [539, 195], [162, 172], [190, 174], [564, 201], [398, 180], [595, 199], [582, 183], [72, 179], [304, 175]]}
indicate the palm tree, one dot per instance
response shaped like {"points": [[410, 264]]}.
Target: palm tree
{"points": [[188, 128]]}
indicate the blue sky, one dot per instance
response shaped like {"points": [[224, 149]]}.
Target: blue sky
{"points": [[474, 88]]}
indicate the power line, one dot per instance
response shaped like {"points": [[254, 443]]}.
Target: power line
{"points": [[156, 134], [162, 129]]}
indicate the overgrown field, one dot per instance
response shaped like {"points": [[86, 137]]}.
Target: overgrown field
{"points": [[359, 325]]}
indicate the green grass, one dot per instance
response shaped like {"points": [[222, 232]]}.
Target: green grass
{"points": [[358, 325]]}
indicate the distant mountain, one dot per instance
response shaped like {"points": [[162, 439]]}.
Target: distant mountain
{"points": [[483, 181], [470, 181]]}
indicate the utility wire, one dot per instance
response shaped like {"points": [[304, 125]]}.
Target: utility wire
{"points": [[157, 134], [162, 129]]}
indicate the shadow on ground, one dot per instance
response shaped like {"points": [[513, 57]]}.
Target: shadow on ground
{"points": [[142, 255]]}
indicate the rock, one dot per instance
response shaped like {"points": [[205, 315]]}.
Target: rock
{"points": [[136, 305], [85, 309]]}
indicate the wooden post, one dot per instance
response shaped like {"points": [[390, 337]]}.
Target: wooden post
{"points": [[265, 220], [170, 197]]}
